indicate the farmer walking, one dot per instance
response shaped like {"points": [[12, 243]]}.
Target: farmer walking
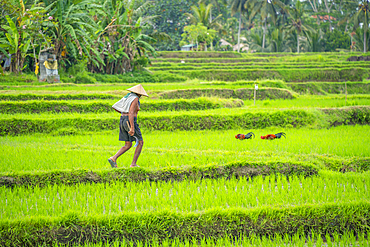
{"points": [[129, 130]]}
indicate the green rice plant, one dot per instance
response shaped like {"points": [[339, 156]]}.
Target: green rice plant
{"points": [[104, 106], [288, 75], [240, 242], [333, 147], [292, 222], [214, 119], [229, 170], [23, 97], [259, 66], [271, 64], [186, 196]]}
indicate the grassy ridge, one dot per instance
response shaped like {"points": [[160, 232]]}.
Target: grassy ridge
{"points": [[211, 60], [241, 93], [287, 75], [332, 88], [271, 64], [260, 66], [235, 169], [201, 121], [99, 107], [192, 121], [29, 96], [214, 223]]}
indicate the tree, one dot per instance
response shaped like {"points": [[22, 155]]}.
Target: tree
{"points": [[16, 41], [203, 15], [121, 45], [316, 42], [238, 6], [198, 33], [35, 27], [362, 15], [337, 40], [72, 26], [296, 15], [277, 40], [359, 40], [172, 21], [265, 8], [230, 28], [220, 4], [254, 39]]}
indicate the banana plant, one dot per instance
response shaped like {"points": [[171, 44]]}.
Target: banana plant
{"points": [[73, 28], [121, 42], [15, 42]]}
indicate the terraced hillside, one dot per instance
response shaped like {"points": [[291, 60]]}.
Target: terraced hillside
{"points": [[196, 185]]}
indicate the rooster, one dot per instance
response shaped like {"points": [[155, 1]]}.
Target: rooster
{"points": [[243, 137], [272, 136]]}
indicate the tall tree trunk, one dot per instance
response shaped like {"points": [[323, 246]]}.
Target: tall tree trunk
{"points": [[297, 42], [240, 23], [264, 35], [330, 22], [364, 37]]}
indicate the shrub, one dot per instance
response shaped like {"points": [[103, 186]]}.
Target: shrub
{"points": [[84, 78]]}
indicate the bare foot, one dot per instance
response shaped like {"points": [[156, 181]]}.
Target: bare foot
{"points": [[134, 165]]}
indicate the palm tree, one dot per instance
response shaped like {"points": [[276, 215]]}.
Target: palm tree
{"points": [[265, 8], [316, 41], [214, 3], [359, 40], [296, 25], [277, 40], [203, 15], [254, 40], [239, 6], [362, 15]]}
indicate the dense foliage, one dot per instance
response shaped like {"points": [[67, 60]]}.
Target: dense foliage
{"points": [[120, 36]]}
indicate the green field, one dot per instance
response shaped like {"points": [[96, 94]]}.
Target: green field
{"points": [[180, 148], [197, 185]]}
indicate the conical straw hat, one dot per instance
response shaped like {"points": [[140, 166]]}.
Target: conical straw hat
{"points": [[138, 89]]}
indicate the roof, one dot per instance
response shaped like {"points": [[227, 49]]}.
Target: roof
{"points": [[325, 17], [224, 42], [192, 45]]}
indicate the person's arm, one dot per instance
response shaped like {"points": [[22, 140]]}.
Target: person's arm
{"points": [[131, 115]]}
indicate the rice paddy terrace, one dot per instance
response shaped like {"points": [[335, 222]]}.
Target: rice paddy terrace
{"points": [[196, 185]]}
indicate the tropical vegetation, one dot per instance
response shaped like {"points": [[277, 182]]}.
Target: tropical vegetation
{"points": [[120, 36]]}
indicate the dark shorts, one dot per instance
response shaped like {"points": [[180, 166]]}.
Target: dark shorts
{"points": [[124, 129]]}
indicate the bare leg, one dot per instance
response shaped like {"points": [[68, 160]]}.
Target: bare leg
{"points": [[121, 151], [137, 153]]}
